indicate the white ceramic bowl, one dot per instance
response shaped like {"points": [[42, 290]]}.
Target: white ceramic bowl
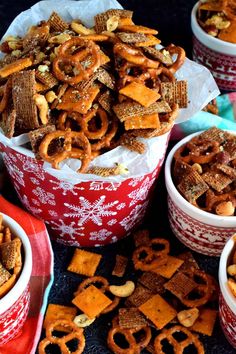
{"points": [[199, 230], [227, 303], [217, 55], [14, 305]]}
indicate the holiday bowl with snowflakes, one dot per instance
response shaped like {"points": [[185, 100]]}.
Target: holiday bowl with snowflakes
{"points": [[85, 209]]}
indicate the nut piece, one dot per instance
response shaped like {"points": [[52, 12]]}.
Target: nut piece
{"points": [[81, 29], [42, 105], [231, 270], [83, 320], [188, 317], [123, 290], [197, 167], [50, 96], [225, 209], [60, 38], [112, 23]]}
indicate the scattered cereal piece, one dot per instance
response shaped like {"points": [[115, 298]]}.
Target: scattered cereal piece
{"points": [[84, 262]]}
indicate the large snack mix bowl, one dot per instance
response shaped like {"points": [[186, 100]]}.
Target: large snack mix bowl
{"points": [[14, 306], [90, 213], [217, 55], [199, 230], [227, 302]]}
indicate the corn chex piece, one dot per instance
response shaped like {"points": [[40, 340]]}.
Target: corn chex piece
{"points": [[57, 24], [180, 285], [205, 322], [216, 179], [139, 296], [4, 288], [175, 92], [140, 93], [152, 281], [84, 262], [131, 318], [4, 274], [143, 122], [10, 253], [120, 265], [91, 301], [170, 266], [59, 312], [192, 186], [158, 311]]}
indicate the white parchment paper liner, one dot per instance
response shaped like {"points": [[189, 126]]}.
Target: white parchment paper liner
{"points": [[202, 89]]}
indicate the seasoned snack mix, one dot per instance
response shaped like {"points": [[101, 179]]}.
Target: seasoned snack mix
{"points": [[79, 92]]}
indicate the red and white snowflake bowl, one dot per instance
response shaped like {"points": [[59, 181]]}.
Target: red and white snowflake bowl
{"points": [[217, 55], [197, 229], [14, 306], [227, 302], [90, 213]]}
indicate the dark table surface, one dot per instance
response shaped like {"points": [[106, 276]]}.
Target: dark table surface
{"points": [[172, 19]]}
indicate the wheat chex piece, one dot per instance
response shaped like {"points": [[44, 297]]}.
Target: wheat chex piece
{"points": [[56, 312], [181, 170], [150, 41], [91, 301], [46, 78], [163, 56], [23, 91], [180, 285], [8, 121], [7, 234], [85, 84], [152, 281], [131, 37], [141, 238], [120, 265], [57, 24], [230, 148], [132, 143], [140, 93], [84, 262], [105, 78], [168, 268], [139, 296], [158, 311], [175, 92], [216, 179], [229, 171], [214, 134], [120, 12], [36, 136], [192, 186], [10, 253], [189, 261], [4, 288], [204, 324], [126, 110], [131, 318], [4, 274], [106, 100], [147, 121]]}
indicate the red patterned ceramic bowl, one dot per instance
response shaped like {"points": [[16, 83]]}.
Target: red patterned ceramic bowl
{"points": [[90, 213], [227, 302], [199, 230], [217, 55], [14, 305]]}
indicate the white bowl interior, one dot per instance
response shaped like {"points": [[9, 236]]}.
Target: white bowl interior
{"points": [[201, 215], [10, 298], [224, 262], [213, 43]]}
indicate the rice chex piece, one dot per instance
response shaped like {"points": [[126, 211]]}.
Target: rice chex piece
{"points": [[175, 92], [10, 252], [163, 56], [189, 261], [139, 296], [214, 134], [23, 91], [192, 186], [229, 171], [230, 148], [8, 121], [46, 78], [126, 110], [4, 274], [37, 135], [131, 37], [105, 78], [141, 238], [106, 101], [57, 24], [120, 265], [180, 285], [153, 282], [216, 179], [131, 318]]}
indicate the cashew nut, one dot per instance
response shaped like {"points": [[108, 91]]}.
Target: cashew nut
{"points": [[83, 320], [188, 317], [231, 270], [123, 290], [42, 105], [81, 29], [225, 209]]}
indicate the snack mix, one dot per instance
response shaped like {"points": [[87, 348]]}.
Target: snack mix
{"points": [[10, 258], [218, 18], [79, 92], [204, 171], [231, 271], [168, 298]]}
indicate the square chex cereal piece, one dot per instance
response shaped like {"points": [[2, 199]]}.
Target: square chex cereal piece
{"points": [[180, 285], [84, 262], [152, 281], [192, 186], [131, 318]]}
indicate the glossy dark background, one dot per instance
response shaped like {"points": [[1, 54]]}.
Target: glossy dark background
{"points": [[172, 19]]}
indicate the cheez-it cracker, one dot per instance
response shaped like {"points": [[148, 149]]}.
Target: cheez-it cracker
{"points": [[84, 262], [56, 312]]}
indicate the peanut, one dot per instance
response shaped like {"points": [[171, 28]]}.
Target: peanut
{"points": [[225, 209], [231, 270], [188, 317]]}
